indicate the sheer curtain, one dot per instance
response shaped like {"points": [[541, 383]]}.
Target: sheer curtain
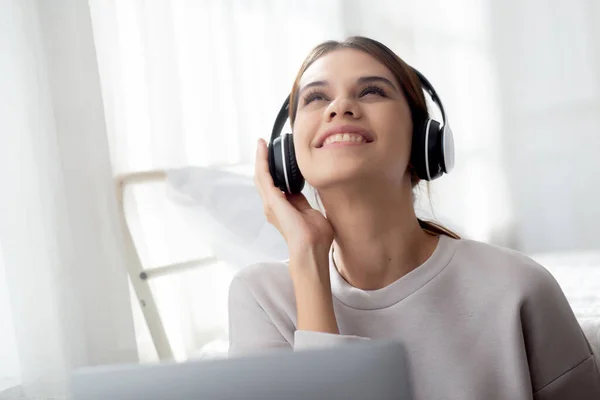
{"points": [[64, 301], [195, 83]]}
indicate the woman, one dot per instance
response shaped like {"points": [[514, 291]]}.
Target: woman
{"points": [[478, 321]]}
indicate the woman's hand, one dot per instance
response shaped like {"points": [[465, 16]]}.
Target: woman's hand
{"points": [[308, 235], [303, 228]]}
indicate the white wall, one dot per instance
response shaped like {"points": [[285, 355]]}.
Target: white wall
{"points": [[521, 84], [450, 42], [548, 63]]}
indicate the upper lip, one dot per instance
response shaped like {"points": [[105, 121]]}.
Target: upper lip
{"points": [[344, 129]]}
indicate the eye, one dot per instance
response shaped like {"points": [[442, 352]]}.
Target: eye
{"points": [[312, 96], [373, 90]]}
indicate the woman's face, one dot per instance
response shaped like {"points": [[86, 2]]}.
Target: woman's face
{"points": [[353, 122]]}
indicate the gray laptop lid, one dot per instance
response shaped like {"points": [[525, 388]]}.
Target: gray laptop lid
{"points": [[370, 370]]}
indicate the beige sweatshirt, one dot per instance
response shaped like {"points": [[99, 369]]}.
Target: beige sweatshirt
{"points": [[478, 322]]}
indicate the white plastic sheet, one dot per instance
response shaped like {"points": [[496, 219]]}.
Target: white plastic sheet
{"points": [[228, 211]]}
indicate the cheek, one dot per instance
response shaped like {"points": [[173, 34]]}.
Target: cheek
{"points": [[398, 131], [405, 145], [301, 150], [304, 132], [395, 147]]}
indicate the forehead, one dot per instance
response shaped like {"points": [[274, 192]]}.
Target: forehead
{"points": [[345, 65]]}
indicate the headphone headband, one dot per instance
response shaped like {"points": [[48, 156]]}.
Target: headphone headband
{"points": [[281, 119], [425, 84]]}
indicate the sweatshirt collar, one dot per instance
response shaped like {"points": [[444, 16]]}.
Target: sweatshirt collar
{"points": [[399, 289]]}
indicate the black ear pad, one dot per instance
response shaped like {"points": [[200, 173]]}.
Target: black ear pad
{"points": [[276, 164], [295, 178], [283, 166], [427, 156]]}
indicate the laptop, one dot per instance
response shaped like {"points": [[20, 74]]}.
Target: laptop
{"points": [[371, 370]]}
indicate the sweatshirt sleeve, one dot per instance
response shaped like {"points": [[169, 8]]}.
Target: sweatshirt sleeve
{"points": [[579, 383], [252, 330], [311, 340], [560, 359]]}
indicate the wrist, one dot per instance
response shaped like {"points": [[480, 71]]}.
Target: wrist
{"points": [[307, 251], [314, 311], [314, 302], [310, 278], [310, 263]]}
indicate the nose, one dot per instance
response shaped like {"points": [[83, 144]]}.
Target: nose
{"points": [[343, 107]]}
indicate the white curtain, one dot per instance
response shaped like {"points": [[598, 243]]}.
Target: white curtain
{"points": [[64, 301], [195, 83]]}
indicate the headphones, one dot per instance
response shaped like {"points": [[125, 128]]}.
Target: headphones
{"points": [[432, 152]]}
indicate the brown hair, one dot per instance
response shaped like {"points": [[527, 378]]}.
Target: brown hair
{"points": [[409, 82]]}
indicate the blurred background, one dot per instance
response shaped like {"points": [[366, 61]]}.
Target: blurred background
{"points": [[151, 96]]}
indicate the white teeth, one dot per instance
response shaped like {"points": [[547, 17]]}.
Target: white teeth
{"points": [[344, 137]]}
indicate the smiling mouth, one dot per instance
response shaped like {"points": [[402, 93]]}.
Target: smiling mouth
{"points": [[345, 139]]}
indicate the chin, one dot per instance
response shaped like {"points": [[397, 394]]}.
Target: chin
{"points": [[327, 176]]}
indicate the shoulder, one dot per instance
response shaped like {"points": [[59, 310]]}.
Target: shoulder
{"points": [[504, 268], [528, 293], [266, 282], [264, 274]]}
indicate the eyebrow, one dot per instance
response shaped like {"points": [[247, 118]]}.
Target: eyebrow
{"points": [[362, 79]]}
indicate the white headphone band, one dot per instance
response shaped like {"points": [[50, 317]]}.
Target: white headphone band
{"points": [[448, 148], [427, 148], [284, 162]]}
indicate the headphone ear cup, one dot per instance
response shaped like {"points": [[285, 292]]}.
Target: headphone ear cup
{"points": [[447, 149], [417, 157], [295, 178], [275, 160], [427, 150], [283, 166]]}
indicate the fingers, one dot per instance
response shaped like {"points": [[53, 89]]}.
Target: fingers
{"points": [[299, 201], [271, 196], [262, 176], [278, 206], [259, 168]]}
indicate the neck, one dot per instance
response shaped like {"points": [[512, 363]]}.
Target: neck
{"points": [[377, 235]]}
